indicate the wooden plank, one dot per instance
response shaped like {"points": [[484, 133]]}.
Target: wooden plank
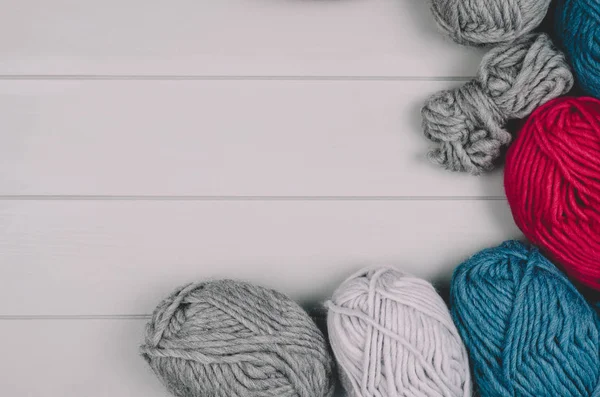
{"points": [[98, 358], [227, 37], [74, 358], [122, 257], [223, 138]]}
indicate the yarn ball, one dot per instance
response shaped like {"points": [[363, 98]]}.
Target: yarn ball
{"points": [[483, 22], [529, 332], [229, 338], [468, 123], [392, 335], [577, 28], [552, 182]]}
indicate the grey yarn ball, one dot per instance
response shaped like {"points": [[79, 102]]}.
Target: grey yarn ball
{"points": [[468, 123], [482, 22], [233, 339]]}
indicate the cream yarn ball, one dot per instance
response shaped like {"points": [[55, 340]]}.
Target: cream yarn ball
{"points": [[392, 336]]}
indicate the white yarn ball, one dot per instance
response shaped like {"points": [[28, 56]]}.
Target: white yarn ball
{"points": [[392, 335]]}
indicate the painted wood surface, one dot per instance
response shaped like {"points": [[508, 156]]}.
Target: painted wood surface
{"points": [[144, 145]]}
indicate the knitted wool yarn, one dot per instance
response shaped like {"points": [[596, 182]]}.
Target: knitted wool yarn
{"points": [[529, 332], [232, 339], [468, 123], [481, 22], [552, 182], [392, 336], [577, 30]]}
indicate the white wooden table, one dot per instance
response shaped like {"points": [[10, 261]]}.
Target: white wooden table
{"points": [[147, 144]]}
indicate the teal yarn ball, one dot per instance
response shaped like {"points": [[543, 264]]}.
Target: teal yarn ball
{"points": [[529, 332], [577, 29]]}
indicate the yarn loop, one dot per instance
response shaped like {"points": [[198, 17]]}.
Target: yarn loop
{"points": [[233, 339], [528, 330], [468, 123], [392, 336], [483, 22]]}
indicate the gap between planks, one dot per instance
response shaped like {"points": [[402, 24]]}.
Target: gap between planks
{"points": [[242, 198], [76, 317], [234, 78], [54, 317]]}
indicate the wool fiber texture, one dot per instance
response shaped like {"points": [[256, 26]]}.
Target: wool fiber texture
{"points": [[552, 182], [468, 123], [577, 29], [528, 330], [392, 336], [484, 22], [233, 339]]}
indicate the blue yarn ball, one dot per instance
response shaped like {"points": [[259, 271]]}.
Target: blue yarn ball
{"points": [[529, 332], [577, 28]]}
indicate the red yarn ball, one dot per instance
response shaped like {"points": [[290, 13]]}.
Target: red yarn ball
{"points": [[552, 182]]}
